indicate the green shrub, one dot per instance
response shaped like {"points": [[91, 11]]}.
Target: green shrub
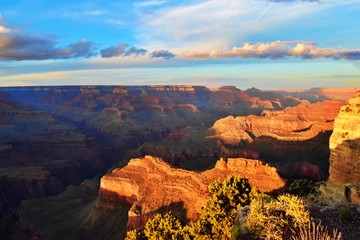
{"points": [[135, 235], [345, 213], [161, 227], [272, 218], [305, 187], [217, 218]]}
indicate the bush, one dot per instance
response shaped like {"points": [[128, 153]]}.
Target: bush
{"points": [[313, 231], [163, 227], [217, 218], [135, 235], [272, 218], [305, 187], [345, 213], [159, 228]]}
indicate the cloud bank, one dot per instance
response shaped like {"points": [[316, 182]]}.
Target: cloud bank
{"points": [[17, 45], [277, 50], [122, 49], [166, 54]]}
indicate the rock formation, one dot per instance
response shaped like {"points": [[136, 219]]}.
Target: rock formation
{"points": [[345, 145], [150, 185], [293, 139]]}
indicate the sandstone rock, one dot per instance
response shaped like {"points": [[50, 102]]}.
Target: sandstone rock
{"points": [[345, 145], [150, 185], [292, 124], [294, 139]]}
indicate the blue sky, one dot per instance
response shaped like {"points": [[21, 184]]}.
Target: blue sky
{"points": [[268, 44]]}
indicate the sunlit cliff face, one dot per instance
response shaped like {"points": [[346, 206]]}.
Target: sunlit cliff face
{"points": [[347, 124], [345, 144], [289, 139], [150, 185]]}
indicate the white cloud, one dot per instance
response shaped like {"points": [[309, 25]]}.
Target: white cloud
{"points": [[277, 50], [4, 29]]}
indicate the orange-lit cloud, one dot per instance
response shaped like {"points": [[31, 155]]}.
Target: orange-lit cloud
{"points": [[276, 50]]}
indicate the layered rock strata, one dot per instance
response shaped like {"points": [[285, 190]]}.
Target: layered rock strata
{"points": [[345, 145], [150, 185], [295, 139]]}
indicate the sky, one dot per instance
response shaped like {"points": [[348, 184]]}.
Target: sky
{"points": [[267, 44]]}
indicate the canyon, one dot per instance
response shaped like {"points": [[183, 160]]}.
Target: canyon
{"points": [[54, 138]]}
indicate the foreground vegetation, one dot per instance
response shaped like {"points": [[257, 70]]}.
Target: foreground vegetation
{"points": [[236, 211]]}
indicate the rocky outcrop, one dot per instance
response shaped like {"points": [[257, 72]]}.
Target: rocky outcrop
{"points": [[293, 139], [150, 185], [292, 124], [345, 145]]}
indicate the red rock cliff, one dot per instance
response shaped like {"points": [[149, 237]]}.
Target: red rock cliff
{"points": [[152, 186], [295, 139]]}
